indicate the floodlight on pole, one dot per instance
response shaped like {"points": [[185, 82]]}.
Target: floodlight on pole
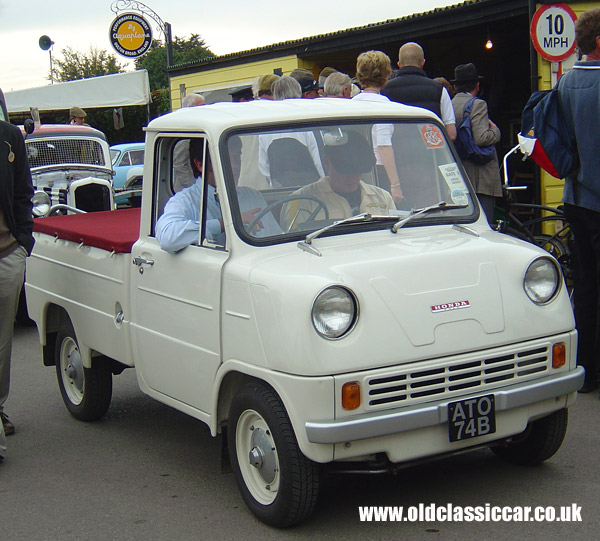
{"points": [[46, 45]]}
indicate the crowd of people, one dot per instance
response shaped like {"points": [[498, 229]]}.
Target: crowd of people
{"points": [[377, 80]]}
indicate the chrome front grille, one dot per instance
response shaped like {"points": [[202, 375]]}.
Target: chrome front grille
{"points": [[92, 197], [416, 383], [46, 152]]}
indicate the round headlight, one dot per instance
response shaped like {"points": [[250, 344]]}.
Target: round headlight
{"points": [[334, 312], [41, 204], [541, 280]]}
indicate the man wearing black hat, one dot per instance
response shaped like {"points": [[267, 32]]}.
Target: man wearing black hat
{"points": [[243, 93], [485, 178], [310, 87], [347, 156]]}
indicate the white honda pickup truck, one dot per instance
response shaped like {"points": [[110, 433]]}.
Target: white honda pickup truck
{"points": [[322, 290]]}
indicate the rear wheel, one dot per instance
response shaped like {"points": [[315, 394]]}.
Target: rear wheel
{"points": [[539, 442], [85, 391], [277, 482]]}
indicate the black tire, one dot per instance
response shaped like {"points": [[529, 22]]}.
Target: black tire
{"points": [[281, 488], [539, 442], [85, 391]]}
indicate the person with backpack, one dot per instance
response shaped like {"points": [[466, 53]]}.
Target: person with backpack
{"points": [[485, 177], [579, 92]]}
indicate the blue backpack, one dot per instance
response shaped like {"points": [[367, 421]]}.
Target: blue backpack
{"points": [[465, 144], [544, 120]]}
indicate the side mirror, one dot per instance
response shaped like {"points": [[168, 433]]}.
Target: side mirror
{"points": [[29, 126]]}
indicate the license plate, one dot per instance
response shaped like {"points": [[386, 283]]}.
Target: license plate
{"points": [[471, 417]]}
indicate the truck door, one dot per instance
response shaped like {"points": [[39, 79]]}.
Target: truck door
{"points": [[176, 296]]}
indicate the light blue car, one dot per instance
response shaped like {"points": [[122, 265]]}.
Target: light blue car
{"points": [[124, 157]]}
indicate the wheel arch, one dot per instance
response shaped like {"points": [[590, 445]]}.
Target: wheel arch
{"points": [[302, 398], [229, 385], [53, 318]]}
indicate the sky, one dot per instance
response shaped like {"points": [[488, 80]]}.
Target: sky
{"points": [[226, 27]]}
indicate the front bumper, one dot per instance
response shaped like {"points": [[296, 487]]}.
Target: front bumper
{"points": [[400, 420]]}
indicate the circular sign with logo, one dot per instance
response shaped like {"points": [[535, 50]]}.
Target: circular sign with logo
{"points": [[432, 136], [553, 31], [130, 35]]}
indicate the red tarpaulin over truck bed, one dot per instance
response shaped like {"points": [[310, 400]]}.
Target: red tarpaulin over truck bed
{"points": [[113, 230]]}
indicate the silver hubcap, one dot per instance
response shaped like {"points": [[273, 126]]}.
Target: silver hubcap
{"points": [[71, 369], [257, 457], [262, 455]]}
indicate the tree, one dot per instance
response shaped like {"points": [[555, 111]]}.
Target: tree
{"points": [[188, 50], [77, 65]]}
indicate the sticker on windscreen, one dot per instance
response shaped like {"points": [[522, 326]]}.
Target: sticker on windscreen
{"points": [[456, 183], [432, 135]]}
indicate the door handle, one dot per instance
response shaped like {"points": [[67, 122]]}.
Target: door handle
{"points": [[139, 261]]}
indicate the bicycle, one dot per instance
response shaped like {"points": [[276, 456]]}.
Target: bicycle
{"points": [[557, 243]]}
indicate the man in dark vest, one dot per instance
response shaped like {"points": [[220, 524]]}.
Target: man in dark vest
{"points": [[411, 86]]}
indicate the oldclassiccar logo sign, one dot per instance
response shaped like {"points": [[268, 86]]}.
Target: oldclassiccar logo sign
{"points": [[130, 35], [446, 307]]}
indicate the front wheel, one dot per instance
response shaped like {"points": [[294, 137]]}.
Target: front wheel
{"points": [[85, 391], [539, 442], [277, 482]]}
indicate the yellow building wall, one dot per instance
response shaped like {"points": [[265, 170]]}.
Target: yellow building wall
{"points": [[231, 76], [552, 188]]}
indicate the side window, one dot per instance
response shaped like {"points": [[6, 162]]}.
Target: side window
{"points": [[137, 157], [187, 208], [125, 160]]}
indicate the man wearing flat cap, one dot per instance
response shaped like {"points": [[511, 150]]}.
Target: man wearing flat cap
{"points": [[77, 116], [485, 178], [263, 88], [347, 156]]}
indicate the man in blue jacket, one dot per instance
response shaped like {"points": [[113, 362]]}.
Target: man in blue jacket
{"points": [[16, 242], [579, 90]]}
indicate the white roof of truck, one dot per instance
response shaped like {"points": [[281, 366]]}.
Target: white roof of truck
{"points": [[222, 116]]}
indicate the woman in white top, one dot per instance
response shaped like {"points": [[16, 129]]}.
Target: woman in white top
{"points": [[373, 70]]}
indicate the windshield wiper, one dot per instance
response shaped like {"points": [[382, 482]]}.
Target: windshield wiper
{"points": [[306, 244], [442, 205]]}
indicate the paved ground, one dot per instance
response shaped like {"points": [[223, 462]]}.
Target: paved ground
{"points": [[148, 472]]}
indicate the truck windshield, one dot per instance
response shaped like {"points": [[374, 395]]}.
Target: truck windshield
{"points": [[292, 182]]}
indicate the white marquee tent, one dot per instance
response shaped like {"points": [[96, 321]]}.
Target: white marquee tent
{"points": [[117, 90]]}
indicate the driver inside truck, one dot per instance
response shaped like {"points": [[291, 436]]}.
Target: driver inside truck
{"points": [[347, 156], [179, 225]]}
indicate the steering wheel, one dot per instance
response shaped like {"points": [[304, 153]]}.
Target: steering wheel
{"points": [[320, 206]]}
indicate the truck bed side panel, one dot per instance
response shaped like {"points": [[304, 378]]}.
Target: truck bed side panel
{"points": [[91, 284]]}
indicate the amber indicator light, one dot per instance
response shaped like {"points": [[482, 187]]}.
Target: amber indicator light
{"points": [[351, 395], [559, 355]]}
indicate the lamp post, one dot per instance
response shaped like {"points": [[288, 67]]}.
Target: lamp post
{"points": [[46, 45]]}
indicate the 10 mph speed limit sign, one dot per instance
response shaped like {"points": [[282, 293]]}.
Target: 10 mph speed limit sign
{"points": [[553, 31]]}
